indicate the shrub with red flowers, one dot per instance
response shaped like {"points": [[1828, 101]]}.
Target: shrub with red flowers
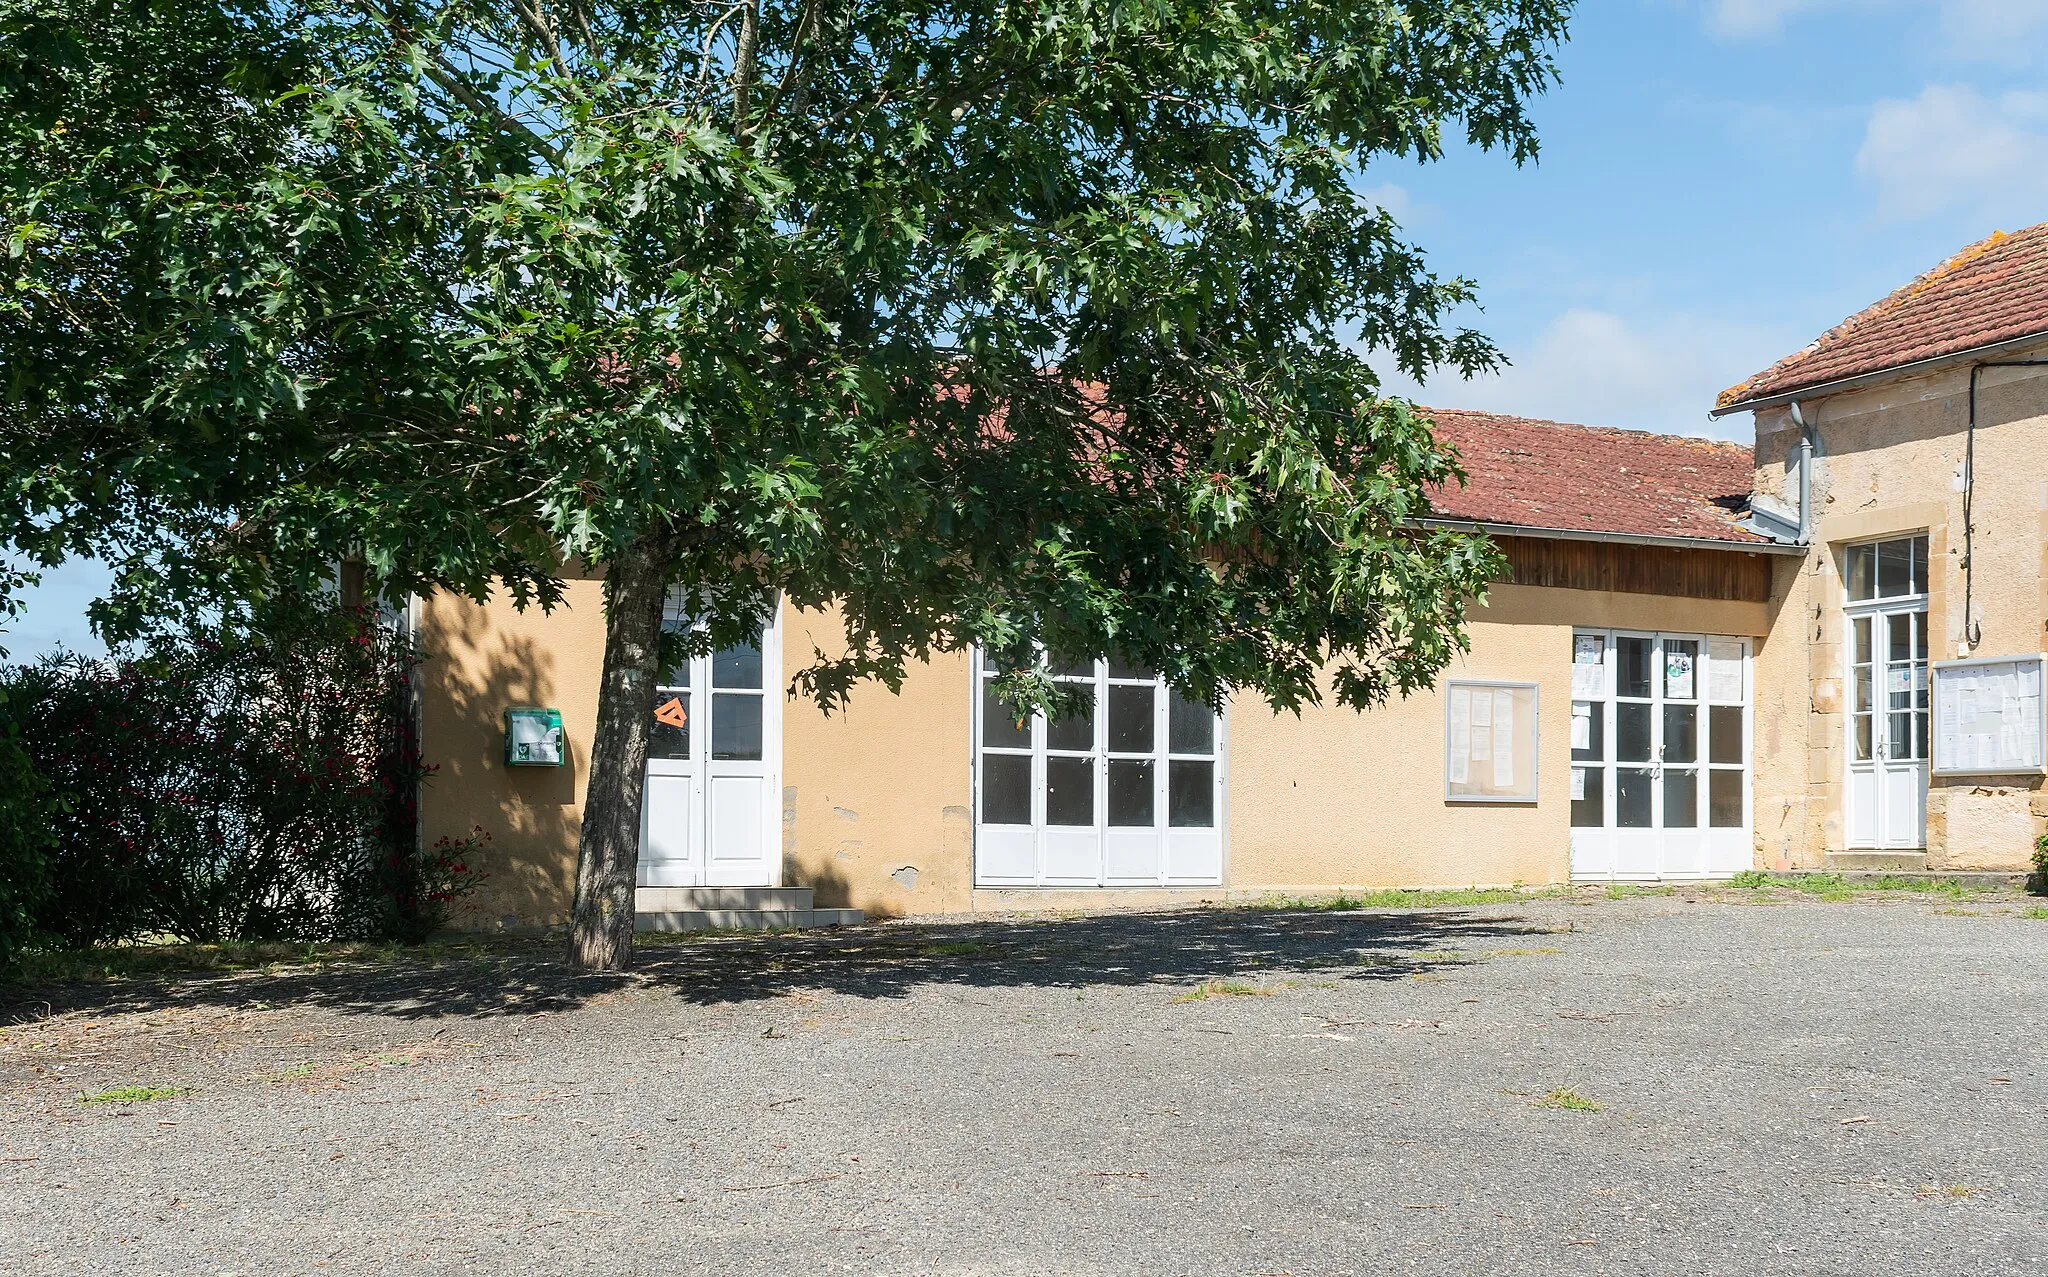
{"points": [[255, 783]]}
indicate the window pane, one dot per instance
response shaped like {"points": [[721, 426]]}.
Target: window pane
{"points": [[1681, 733], [1191, 795], [1901, 630], [1632, 733], [1593, 715], [999, 725], [736, 726], [1074, 669], [1130, 793], [1590, 812], [1121, 668], [1920, 733], [1130, 720], [1681, 669], [1863, 737], [1899, 741], [1894, 569], [738, 666], [1634, 790], [1633, 676], [1190, 726], [1724, 734], [1863, 640], [1075, 732], [1006, 789], [1920, 585], [1861, 572], [1863, 688], [1920, 635], [1724, 800], [1069, 791], [1681, 798], [670, 740]]}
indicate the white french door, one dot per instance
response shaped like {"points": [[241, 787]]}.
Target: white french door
{"points": [[1888, 728], [1126, 793], [1885, 649], [708, 813], [1660, 755]]}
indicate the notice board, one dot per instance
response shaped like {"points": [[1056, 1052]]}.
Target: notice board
{"points": [[1490, 742], [1988, 717]]}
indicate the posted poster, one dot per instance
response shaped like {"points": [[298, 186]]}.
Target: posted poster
{"points": [[1503, 740], [1578, 784], [1461, 735], [1589, 674], [1724, 671], [1482, 726], [1582, 725], [1678, 675]]}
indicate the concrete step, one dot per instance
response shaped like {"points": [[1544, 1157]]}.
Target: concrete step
{"points": [[722, 919], [1877, 861], [670, 899]]}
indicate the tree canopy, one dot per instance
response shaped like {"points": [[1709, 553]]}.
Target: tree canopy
{"points": [[1041, 325]]}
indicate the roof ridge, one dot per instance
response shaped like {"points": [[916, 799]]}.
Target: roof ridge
{"points": [[1885, 306], [1636, 431]]}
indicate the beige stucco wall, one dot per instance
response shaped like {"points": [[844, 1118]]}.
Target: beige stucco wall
{"points": [[1890, 463], [876, 797], [1336, 798]]}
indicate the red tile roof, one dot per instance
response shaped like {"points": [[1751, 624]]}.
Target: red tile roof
{"points": [[1995, 290], [1546, 474]]}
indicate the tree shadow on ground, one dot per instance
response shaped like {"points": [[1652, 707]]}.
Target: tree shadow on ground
{"points": [[1169, 948]]}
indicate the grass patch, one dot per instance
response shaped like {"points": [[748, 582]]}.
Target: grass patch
{"points": [[1568, 1100], [1397, 898], [150, 961], [133, 1095], [2038, 913], [1630, 890], [1208, 989], [1834, 886]]}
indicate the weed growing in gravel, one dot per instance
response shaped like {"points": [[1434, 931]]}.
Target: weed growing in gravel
{"points": [[1834, 886], [951, 948], [2037, 913], [1208, 989], [133, 1095], [1398, 898], [1630, 890], [1569, 1100]]}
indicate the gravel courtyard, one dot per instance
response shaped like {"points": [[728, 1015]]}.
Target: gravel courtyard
{"points": [[1699, 1083]]}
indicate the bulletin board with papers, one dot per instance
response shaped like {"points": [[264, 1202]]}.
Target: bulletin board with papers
{"points": [[1988, 717], [1490, 742]]}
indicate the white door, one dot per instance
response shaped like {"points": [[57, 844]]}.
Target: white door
{"points": [[1127, 793], [708, 815], [1888, 726], [1886, 656], [1660, 756]]}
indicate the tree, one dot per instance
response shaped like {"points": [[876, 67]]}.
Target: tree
{"points": [[1036, 326]]}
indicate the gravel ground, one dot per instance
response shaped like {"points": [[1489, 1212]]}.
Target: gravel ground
{"points": [[1801, 1087]]}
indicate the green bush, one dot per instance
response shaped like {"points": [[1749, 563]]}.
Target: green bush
{"points": [[236, 785], [25, 811], [2039, 882]]}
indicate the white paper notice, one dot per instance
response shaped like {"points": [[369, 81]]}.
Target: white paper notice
{"points": [[1461, 735], [1678, 675], [1582, 726], [1724, 671], [1589, 674], [1503, 740], [1578, 784], [1482, 710], [1482, 726]]}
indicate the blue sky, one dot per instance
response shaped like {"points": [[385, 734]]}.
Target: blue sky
{"points": [[1721, 180]]}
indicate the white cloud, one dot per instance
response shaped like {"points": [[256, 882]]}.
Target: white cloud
{"points": [[1392, 198], [1997, 31], [1953, 147], [1598, 368]]}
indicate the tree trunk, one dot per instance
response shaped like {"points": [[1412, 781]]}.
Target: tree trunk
{"points": [[601, 922]]}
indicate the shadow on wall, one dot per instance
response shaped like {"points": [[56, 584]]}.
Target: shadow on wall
{"points": [[476, 672], [1167, 949]]}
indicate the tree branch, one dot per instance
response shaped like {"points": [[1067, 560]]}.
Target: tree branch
{"points": [[441, 72]]}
